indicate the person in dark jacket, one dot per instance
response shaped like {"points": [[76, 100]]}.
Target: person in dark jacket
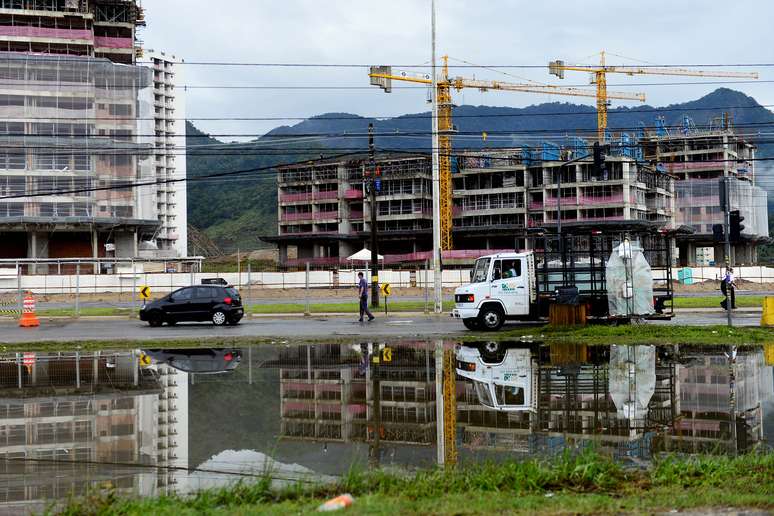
{"points": [[362, 292]]}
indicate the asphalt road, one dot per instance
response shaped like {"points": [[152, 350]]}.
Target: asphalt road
{"points": [[280, 328]]}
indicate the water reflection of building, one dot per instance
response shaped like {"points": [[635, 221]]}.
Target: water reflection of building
{"points": [[630, 401], [327, 393], [67, 419], [712, 400], [172, 421]]}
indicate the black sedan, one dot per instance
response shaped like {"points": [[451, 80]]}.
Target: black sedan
{"points": [[216, 303]]}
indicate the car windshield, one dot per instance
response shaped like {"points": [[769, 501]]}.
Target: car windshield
{"points": [[481, 270], [509, 395], [482, 390]]}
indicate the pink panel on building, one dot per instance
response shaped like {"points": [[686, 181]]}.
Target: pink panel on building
{"points": [[44, 32], [106, 42]]}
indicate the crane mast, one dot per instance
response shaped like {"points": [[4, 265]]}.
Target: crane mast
{"points": [[600, 72], [383, 76]]}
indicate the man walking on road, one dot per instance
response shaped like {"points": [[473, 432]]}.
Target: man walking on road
{"points": [[362, 291], [727, 288]]}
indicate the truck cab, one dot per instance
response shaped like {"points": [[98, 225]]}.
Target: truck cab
{"points": [[506, 383], [502, 286]]}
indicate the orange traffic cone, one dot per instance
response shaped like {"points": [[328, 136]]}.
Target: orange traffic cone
{"points": [[28, 318]]}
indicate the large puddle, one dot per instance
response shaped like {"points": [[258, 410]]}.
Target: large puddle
{"points": [[146, 422]]}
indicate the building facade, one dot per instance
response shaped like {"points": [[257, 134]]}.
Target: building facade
{"points": [[170, 153], [699, 160], [81, 118], [499, 195]]}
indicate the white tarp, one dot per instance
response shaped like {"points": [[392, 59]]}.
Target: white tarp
{"points": [[632, 377], [364, 255], [629, 281]]}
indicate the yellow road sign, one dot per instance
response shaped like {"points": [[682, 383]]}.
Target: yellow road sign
{"points": [[386, 289], [145, 292], [145, 360], [387, 354]]}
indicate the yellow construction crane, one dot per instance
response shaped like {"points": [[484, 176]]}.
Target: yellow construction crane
{"points": [[383, 76], [599, 77]]}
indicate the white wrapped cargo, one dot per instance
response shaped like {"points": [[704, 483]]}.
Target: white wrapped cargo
{"points": [[629, 281]]}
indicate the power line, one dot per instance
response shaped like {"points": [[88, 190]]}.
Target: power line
{"points": [[131, 185], [589, 112], [426, 66]]}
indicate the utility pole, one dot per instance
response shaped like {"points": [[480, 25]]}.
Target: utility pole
{"points": [[374, 230], [437, 283], [725, 198]]}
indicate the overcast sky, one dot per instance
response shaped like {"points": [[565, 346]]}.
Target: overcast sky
{"points": [[491, 32]]}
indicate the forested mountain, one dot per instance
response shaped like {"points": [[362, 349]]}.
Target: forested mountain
{"points": [[234, 212]]}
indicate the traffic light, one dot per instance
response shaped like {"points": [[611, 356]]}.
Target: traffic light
{"points": [[717, 233], [599, 159], [735, 226]]}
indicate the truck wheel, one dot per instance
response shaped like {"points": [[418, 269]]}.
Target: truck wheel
{"points": [[491, 318], [471, 323], [491, 352]]}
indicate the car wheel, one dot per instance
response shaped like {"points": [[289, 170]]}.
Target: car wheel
{"points": [[471, 323], [219, 318], [155, 320], [491, 319], [171, 322]]}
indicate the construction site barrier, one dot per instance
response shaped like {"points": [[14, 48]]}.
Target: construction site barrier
{"points": [[28, 318]]}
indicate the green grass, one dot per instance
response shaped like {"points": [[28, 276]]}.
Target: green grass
{"points": [[90, 311], [714, 302], [600, 334], [582, 483]]}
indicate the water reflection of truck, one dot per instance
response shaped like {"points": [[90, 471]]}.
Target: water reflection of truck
{"points": [[503, 380], [612, 275], [506, 377]]}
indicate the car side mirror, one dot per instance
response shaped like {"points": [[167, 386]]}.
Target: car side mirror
{"points": [[171, 299]]}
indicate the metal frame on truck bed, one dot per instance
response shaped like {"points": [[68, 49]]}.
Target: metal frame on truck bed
{"points": [[579, 259]]}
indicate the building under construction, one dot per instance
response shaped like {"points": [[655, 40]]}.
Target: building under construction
{"points": [[700, 159], [91, 28], [501, 195], [77, 117]]}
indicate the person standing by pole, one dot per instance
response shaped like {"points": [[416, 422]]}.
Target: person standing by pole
{"points": [[362, 292]]}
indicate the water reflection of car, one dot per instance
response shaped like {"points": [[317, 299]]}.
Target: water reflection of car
{"points": [[199, 361], [504, 378]]}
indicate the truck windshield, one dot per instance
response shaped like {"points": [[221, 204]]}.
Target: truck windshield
{"points": [[482, 390], [509, 395], [481, 270]]}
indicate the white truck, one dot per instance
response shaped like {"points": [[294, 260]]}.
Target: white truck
{"points": [[610, 274]]}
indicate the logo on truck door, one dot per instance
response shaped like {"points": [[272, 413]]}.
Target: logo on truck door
{"points": [[509, 288]]}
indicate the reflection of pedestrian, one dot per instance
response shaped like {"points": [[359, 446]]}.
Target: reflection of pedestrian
{"points": [[362, 292], [728, 289]]}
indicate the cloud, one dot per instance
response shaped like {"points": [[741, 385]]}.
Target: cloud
{"points": [[397, 32]]}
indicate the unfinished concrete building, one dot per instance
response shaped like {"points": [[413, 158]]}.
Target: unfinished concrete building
{"points": [[324, 211], [498, 195], [74, 129], [78, 114], [93, 28], [699, 160]]}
